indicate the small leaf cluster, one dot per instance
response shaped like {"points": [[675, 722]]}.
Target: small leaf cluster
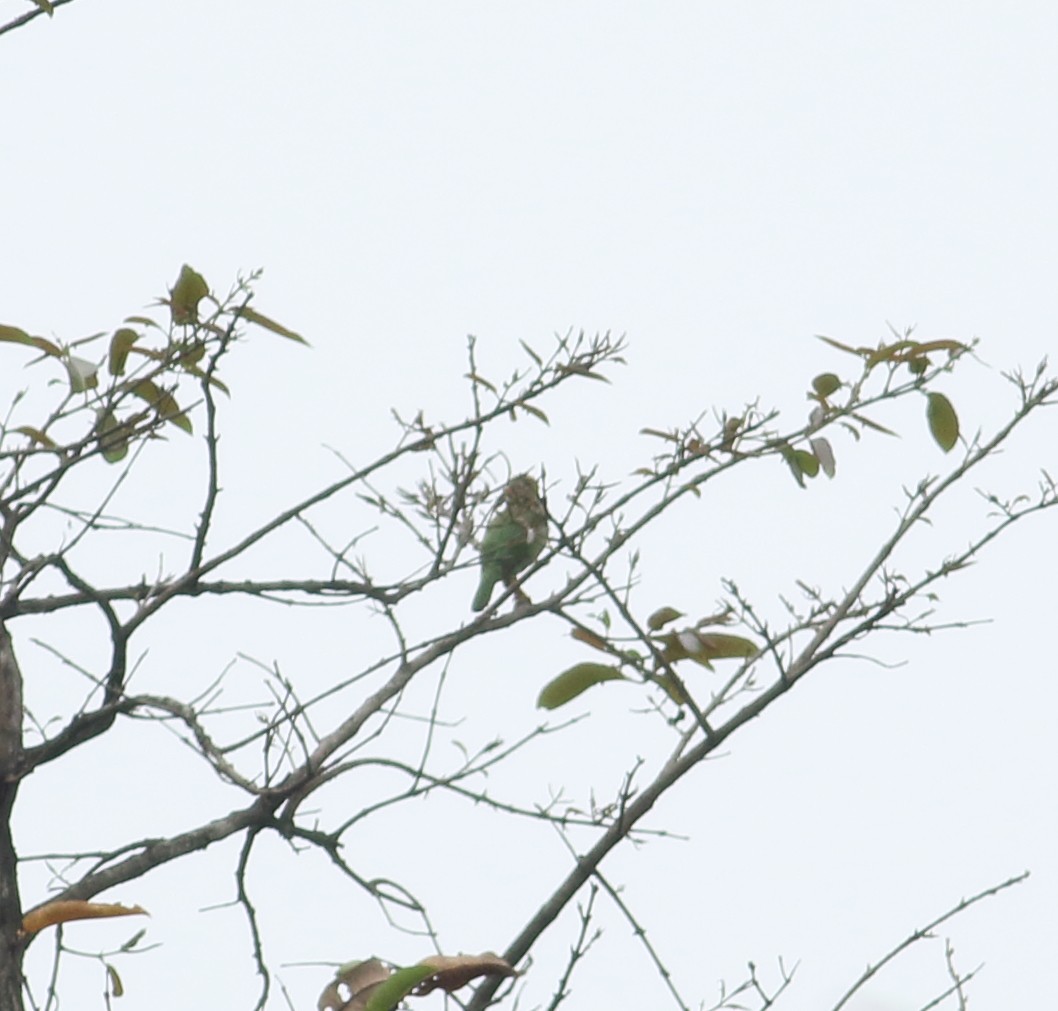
{"points": [[140, 385], [698, 643]]}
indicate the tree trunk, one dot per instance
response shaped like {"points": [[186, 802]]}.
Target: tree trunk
{"points": [[11, 947]]}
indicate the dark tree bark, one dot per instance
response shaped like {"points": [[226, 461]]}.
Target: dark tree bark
{"points": [[11, 947]]}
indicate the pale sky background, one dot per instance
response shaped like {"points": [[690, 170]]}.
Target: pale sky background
{"points": [[718, 181]]}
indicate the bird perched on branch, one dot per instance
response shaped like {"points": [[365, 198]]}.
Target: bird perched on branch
{"points": [[513, 538]]}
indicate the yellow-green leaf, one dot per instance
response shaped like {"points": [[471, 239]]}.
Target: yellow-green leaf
{"points": [[807, 462], [867, 423], [826, 383], [184, 296], [531, 353], [164, 403], [251, 314], [37, 436], [661, 617], [720, 645], [895, 352], [143, 321], [572, 682], [112, 436], [943, 421], [940, 345], [120, 344], [863, 352], [45, 5], [117, 989], [14, 335], [789, 454], [535, 412], [704, 647]]}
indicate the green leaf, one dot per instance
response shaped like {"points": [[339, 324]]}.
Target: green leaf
{"points": [[572, 682], [867, 423], [807, 462], [120, 344], [721, 646], [943, 421], [164, 403], [112, 436], [826, 383], [184, 296], [532, 354], [863, 352], [270, 324], [704, 647], [661, 617], [895, 352], [536, 413], [117, 988], [142, 321], [13, 335], [386, 996], [37, 436], [789, 454]]}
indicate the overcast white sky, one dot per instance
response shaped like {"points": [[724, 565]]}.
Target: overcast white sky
{"points": [[720, 181]]}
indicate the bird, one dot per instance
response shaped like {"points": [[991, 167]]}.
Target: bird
{"points": [[513, 538]]}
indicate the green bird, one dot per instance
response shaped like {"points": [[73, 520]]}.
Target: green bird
{"points": [[513, 538]]}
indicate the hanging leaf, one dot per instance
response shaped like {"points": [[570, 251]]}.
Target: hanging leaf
{"points": [[572, 682], [943, 421], [184, 296], [164, 403], [117, 989], [662, 616], [789, 454], [112, 436], [824, 454], [807, 462], [120, 345]]}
